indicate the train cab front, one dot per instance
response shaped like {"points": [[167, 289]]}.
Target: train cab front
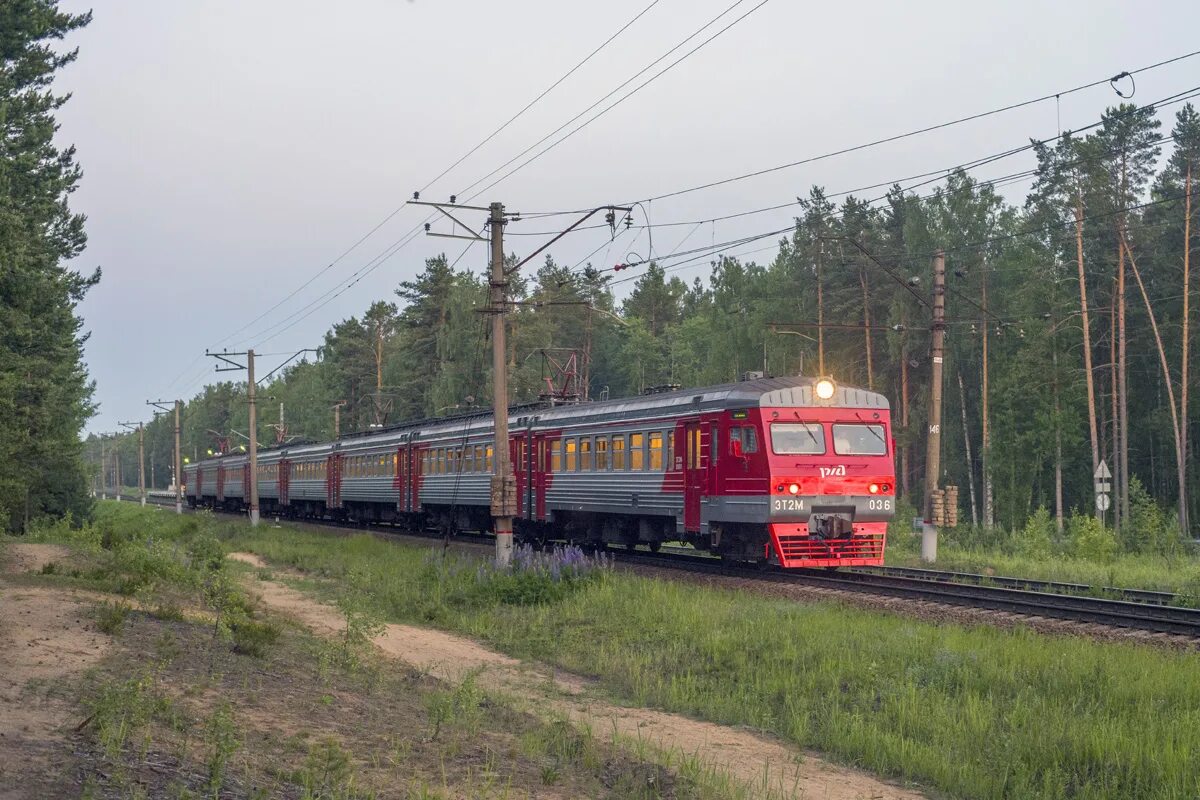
{"points": [[833, 483]]}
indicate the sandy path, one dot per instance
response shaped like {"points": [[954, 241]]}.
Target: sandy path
{"points": [[751, 759], [45, 635]]}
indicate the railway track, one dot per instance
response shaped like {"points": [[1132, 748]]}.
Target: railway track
{"points": [[1130, 608]]}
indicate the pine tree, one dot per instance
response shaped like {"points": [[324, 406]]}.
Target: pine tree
{"points": [[45, 393]]}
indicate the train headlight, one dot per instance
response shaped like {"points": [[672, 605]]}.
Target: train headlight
{"points": [[794, 488], [873, 488], [824, 389]]}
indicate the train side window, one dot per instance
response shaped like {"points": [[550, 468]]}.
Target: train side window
{"points": [[670, 450], [637, 451], [556, 456], [618, 453], [602, 453], [585, 454], [480, 464], [541, 456], [714, 448], [487, 459], [571, 463], [656, 452], [747, 436]]}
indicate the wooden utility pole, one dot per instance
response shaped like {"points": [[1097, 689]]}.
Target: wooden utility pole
{"points": [[1087, 336], [141, 457], [933, 449], [117, 464]]}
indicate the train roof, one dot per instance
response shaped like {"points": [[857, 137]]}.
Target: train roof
{"points": [[786, 392]]}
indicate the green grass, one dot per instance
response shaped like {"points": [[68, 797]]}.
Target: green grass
{"points": [[1180, 574], [976, 712]]}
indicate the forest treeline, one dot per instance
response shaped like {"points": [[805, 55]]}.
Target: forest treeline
{"points": [[45, 392], [1035, 396]]}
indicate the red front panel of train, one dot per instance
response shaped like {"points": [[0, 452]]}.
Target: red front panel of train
{"points": [[832, 485]]}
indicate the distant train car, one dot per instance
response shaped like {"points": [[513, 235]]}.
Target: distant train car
{"points": [[794, 471]]}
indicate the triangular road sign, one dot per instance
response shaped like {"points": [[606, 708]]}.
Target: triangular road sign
{"points": [[1102, 473]]}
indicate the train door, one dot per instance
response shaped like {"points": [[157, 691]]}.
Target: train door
{"points": [[541, 475], [414, 478], [399, 482], [284, 479], [221, 482], [333, 481], [695, 477], [520, 457]]}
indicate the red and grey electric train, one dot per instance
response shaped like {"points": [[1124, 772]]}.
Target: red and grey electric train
{"points": [[795, 471]]}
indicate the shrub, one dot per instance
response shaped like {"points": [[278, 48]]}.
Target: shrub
{"points": [[111, 616], [1036, 539], [1090, 539], [254, 638], [538, 578]]}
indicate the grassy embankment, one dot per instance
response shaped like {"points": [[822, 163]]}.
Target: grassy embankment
{"points": [[204, 693], [1148, 554], [974, 712]]}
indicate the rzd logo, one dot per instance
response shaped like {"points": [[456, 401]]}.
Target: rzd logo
{"points": [[831, 472]]}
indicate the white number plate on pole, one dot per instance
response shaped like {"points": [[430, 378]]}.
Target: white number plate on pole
{"points": [[1103, 502]]}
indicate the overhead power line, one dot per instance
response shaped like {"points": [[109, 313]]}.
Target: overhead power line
{"points": [[917, 132], [316, 276], [620, 100], [545, 92]]}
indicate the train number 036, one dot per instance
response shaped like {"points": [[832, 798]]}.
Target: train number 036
{"points": [[879, 504]]}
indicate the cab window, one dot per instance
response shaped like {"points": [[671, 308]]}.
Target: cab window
{"points": [[798, 438], [851, 439]]}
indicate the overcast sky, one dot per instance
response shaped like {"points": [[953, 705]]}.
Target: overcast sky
{"points": [[232, 150]]}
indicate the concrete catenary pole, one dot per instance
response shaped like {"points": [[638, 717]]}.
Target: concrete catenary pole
{"points": [[142, 463], [934, 440], [117, 465], [503, 488], [178, 458], [337, 418], [253, 438], [103, 470]]}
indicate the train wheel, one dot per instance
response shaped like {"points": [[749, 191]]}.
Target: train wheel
{"points": [[655, 546]]}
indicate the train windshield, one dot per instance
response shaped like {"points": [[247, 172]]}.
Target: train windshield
{"points": [[798, 438], [859, 440]]}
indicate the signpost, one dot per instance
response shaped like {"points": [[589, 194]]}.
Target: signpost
{"points": [[1103, 481]]}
